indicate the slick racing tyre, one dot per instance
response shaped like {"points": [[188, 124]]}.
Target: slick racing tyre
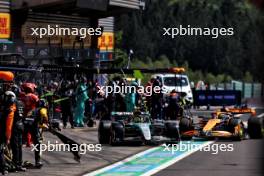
{"points": [[172, 131], [104, 132], [116, 134], [255, 128], [185, 125], [113, 139]]}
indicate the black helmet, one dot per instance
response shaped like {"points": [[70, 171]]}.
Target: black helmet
{"points": [[42, 103]]}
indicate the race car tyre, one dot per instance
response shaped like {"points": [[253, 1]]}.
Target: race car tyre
{"points": [[104, 132], [185, 125], [117, 134], [113, 140], [255, 128], [172, 131]]}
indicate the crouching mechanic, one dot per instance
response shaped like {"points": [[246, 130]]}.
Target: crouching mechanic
{"points": [[7, 112]]}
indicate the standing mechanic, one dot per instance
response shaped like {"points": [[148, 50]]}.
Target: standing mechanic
{"points": [[67, 104], [30, 100], [32, 129], [156, 100], [81, 97], [17, 132], [7, 111], [172, 111]]}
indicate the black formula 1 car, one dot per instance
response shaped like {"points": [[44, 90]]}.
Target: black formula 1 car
{"points": [[136, 127], [225, 124]]}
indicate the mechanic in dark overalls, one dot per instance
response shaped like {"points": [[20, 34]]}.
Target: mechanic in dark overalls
{"points": [[148, 97], [17, 133], [173, 106], [156, 101], [67, 104], [120, 105]]}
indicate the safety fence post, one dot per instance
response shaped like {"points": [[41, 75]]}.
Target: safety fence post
{"points": [[252, 90], [234, 86], [262, 92], [243, 89]]}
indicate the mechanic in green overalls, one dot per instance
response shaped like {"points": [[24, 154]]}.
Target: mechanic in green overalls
{"points": [[81, 97], [131, 98]]}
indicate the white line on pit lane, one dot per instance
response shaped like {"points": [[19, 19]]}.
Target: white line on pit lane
{"points": [[260, 115]]}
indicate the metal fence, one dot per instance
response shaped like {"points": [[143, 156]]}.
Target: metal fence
{"points": [[249, 90]]}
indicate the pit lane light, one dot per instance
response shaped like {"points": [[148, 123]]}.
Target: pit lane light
{"points": [[177, 70]]}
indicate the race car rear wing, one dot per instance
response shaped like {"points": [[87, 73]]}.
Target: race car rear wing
{"points": [[242, 110]]}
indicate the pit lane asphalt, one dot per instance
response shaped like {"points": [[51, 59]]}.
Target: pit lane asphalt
{"points": [[244, 160], [62, 163]]}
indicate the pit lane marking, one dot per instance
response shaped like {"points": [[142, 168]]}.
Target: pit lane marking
{"points": [[120, 162], [147, 163]]}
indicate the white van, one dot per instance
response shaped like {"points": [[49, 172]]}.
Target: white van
{"points": [[178, 82]]}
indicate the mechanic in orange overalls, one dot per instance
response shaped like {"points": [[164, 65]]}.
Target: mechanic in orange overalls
{"points": [[30, 100], [7, 111]]}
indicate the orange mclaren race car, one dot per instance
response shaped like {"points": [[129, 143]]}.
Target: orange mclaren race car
{"points": [[224, 123]]}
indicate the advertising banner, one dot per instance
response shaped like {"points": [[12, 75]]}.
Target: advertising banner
{"points": [[4, 25], [106, 41], [217, 97]]}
